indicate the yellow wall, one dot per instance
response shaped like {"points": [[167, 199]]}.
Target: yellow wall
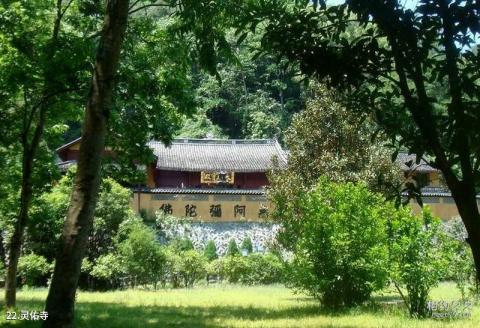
{"points": [[153, 202], [443, 207]]}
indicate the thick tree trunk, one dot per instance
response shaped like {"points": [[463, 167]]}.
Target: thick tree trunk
{"points": [[61, 296]]}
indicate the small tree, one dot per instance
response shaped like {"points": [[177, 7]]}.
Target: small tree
{"points": [[232, 249], [210, 251], [141, 255], [416, 257], [247, 245], [340, 253]]}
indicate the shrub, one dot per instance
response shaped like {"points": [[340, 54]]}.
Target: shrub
{"points": [[417, 260], [108, 267], [340, 256], [210, 251], [32, 268], [185, 268], [263, 269], [247, 245], [142, 257], [215, 268], [234, 268], [232, 249]]}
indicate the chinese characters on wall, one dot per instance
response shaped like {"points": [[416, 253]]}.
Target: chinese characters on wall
{"points": [[215, 211]]}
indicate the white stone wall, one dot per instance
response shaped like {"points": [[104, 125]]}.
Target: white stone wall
{"points": [[262, 235]]}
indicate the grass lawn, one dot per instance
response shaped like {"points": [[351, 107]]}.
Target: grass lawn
{"points": [[231, 306]]}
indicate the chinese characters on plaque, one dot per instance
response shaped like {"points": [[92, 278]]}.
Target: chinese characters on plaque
{"points": [[167, 209], [190, 210], [217, 178], [239, 211], [215, 210]]}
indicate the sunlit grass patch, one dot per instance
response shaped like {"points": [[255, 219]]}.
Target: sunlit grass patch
{"points": [[235, 306]]}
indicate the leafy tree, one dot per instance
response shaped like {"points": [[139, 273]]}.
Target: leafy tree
{"points": [[210, 251], [417, 259], [339, 243], [232, 249], [328, 140], [247, 245], [41, 64]]}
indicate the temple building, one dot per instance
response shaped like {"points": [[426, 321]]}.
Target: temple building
{"points": [[205, 179], [224, 180]]}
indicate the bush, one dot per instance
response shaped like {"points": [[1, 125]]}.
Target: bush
{"points": [[210, 251], [234, 268], [108, 267], [340, 254], [232, 249], [142, 257], [253, 269], [185, 268], [247, 245], [417, 258], [263, 269], [33, 269]]}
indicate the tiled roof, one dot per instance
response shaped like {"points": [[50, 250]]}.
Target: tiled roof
{"points": [[404, 157], [218, 155], [201, 191]]}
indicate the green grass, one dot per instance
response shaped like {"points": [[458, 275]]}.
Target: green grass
{"points": [[232, 306]]}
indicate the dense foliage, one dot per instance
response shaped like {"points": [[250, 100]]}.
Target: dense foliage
{"points": [[338, 239]]}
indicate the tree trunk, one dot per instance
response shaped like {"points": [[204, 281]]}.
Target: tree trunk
{"points": [[465, 199], [17, 237], [29, 152], [61, 297]]}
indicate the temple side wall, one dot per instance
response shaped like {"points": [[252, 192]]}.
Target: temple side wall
{"points": [[443, 207]]}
